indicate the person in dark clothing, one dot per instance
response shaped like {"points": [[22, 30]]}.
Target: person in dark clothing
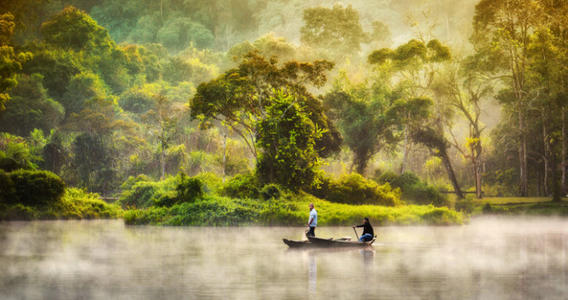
{"points": [[368, 232]]}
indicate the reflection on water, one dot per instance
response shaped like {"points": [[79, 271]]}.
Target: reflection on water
{"points": [[505, 258]]}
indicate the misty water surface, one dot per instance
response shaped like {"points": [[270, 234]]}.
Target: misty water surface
{"points": [[507, 258]]}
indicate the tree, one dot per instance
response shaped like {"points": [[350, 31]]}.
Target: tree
{"points": [[415, 66], [464, 86], [82, 88], [10, 61], [73, 29], [163, 117], [502, 29], [412, 67], [361, 113], [287, 137], [30, 108], [239, 97], [335, 28]]}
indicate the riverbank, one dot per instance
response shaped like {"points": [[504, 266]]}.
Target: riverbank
{"points": [[538, 206], [75, 204], [224, 211]]}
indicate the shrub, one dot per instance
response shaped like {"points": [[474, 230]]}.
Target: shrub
{"points": [[143, 192], [414, 190], [356, 189], [188, 189], [270, 191], [7, 188], [36, 187], [241, 186], [464, 205]]}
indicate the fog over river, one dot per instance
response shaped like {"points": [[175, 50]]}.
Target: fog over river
{"points": [[505, 258]]}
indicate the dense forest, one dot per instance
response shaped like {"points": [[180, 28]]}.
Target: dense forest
{"points": [[160, 103]]}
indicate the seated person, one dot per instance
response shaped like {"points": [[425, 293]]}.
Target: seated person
{"points": [[368, 232]]}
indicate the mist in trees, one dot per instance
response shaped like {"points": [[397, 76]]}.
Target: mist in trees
{"points": [[470, 99]]}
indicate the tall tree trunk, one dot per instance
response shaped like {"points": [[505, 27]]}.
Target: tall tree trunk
{"points": [[523, 184], [556, 187], [224, 155], [405, 153], [451, 174], [477, 174], [564, 150], [546, 155], [163, 163]]}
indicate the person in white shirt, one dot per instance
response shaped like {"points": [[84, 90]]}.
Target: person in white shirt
{"points": [[313, 221]]}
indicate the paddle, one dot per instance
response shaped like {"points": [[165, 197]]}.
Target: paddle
{"points": [[356, 233]]}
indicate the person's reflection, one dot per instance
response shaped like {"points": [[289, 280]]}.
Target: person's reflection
{"points": [[368, 260], [312, 274], [368, 256]]}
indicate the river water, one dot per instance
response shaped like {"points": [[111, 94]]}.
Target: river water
{"points": [[491, 258]]}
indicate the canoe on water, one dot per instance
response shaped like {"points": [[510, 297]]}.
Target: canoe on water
{"points": [[314, 242]]}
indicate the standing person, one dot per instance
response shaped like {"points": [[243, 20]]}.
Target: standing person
{"points": [[313, 221], [368, 232]]}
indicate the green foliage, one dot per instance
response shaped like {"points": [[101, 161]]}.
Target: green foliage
{"points": [[214, 210], [356, 189], [465, 205], [16, 153], [336, 28], [243, 186], [82, 88], [74, 29], [239, 97], [364, 118], [30, 108], [271, 191], [7, 188], [287, 137], [142, 192], [182, 32], [411, 54], [74, 204], [188, 189], [35, 188], [10, 60], [57, 67], [137, 100], [413, 189]]}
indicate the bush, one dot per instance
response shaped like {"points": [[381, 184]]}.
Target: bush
{"points": [[356, 189], [464, 205], [241, 186], [7, 188], [414, 190], [188, 189], [75, 204], [36, 188], [270, 191], [143, 192]]}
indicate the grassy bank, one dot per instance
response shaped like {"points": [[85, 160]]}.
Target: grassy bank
{"points": [[217, 210], [75, 204], [521, 206]]}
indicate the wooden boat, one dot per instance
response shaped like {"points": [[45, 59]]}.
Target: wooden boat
{"points": [[297, 244], [314, 242], [331, 243]]}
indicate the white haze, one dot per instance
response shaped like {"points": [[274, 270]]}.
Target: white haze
{"points": [[492, 258]]}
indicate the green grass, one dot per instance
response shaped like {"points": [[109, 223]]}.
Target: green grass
{"points": [[511, 200], [75, 204], [521, 206], [222, 211]]}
